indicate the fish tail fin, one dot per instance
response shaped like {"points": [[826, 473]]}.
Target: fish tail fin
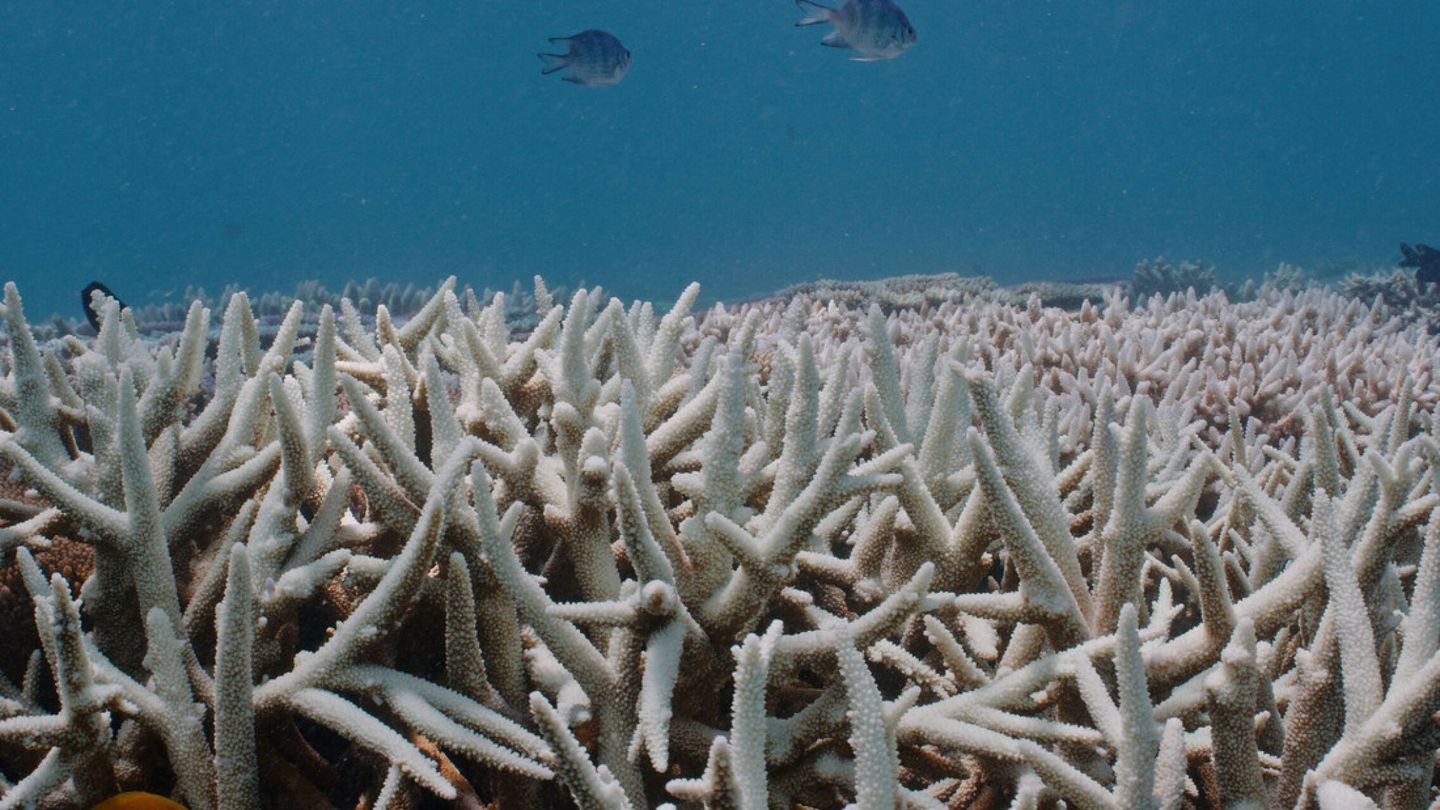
{"points": [[553, 62], [814, 12]]}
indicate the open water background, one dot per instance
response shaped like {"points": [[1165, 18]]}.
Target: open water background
{"points": [[157, 144]]}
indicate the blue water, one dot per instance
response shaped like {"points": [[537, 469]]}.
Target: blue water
{"points": [[156, 144]]}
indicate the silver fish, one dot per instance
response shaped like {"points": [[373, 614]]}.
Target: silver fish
{"points": [[595, 58], [875, 29]]}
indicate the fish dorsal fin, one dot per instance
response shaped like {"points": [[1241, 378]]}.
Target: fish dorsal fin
{"points": [[814, 13]]}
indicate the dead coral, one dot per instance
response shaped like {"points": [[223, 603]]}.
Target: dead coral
{"points": [[1127, 556]]}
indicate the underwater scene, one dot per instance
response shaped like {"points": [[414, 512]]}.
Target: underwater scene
{"points": [[777, 404]]}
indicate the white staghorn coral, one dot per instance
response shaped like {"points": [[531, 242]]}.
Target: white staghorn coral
{"points": [[1179, 553]]}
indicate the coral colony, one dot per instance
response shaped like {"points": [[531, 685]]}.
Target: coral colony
{"points": [[1169, 552]]}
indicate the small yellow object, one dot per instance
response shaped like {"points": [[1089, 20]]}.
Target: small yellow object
{"points": [[137, 800]]}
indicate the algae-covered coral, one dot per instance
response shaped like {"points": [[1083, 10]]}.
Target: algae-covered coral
{"points": [[1179, 552]]}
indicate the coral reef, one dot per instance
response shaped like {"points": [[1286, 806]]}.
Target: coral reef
{"points": [[1287, 278], [1398, 290], [897, 292], [796, 552], [1062, 294], [924, 291], [165, 313], [1162, 278]]}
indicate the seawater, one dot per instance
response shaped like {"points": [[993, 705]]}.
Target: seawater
{"points": [[155, 144]]}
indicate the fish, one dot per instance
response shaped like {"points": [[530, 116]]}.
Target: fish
{"points": [[1424, 259], [91, 313], [875, 29], [594, 58], [137, 800]]}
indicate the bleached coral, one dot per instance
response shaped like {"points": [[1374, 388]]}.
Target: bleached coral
{"points": [[1287, 278], [921, 291], [897, 292], [792, 552], [165, 311]]}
